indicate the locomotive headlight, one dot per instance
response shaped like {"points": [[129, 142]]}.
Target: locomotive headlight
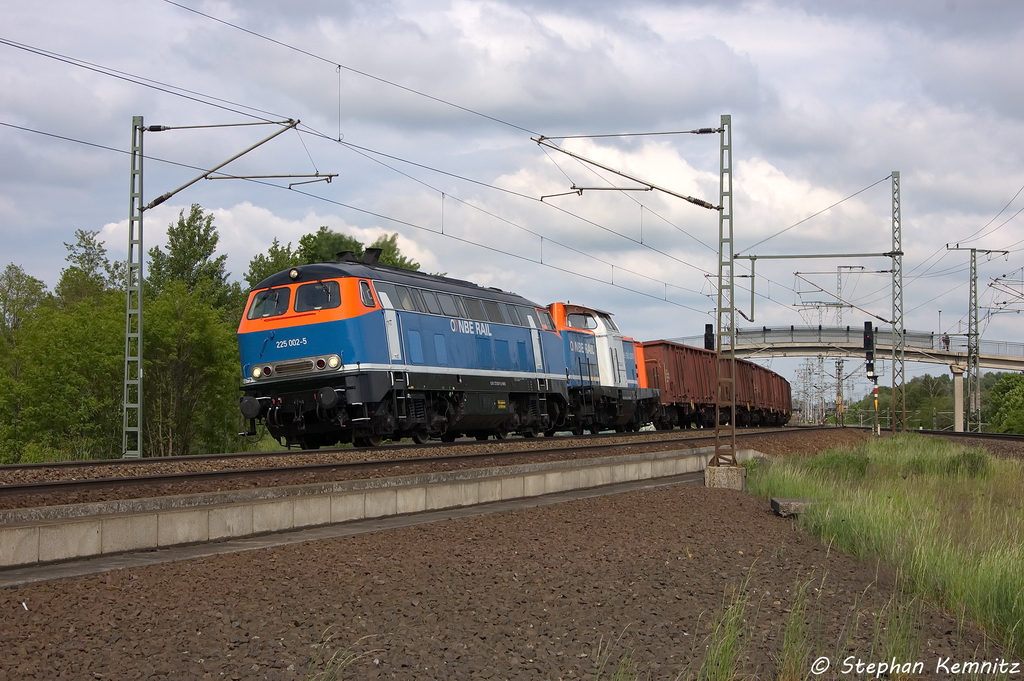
{"points": [[294, 273], [266, 371], [333, 362], [256, 372]]}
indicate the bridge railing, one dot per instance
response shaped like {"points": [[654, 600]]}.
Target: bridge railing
{"points": [[854, 335]]}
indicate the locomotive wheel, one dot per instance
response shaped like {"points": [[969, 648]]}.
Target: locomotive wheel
{"points": [[532, 432], [577, 430], [367, 441], [501, 434], [550, 433], [482, 436], [420, 437], [448, 437]]}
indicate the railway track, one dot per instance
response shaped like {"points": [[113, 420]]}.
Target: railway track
{"points": [[73, 482], [995, 437]]}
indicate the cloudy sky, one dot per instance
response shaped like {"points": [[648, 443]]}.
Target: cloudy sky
{"points": [[435, 104]]}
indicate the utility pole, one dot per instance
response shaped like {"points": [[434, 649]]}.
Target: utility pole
{"points": [[899, 402], [133, 396], [974, 343], [131, 441], [725, 438], [899, 388], [725, 446]]}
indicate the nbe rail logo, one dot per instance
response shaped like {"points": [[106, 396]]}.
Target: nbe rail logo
{"points": [[471, 327]]}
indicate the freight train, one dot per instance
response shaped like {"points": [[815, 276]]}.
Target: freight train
{"points": [[686, 382], [356, 351]]}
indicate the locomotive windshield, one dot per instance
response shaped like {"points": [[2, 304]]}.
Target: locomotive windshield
{"points": [[323, 295], [270, 303]]}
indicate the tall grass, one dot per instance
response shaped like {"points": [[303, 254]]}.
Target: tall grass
{"points": [[725, 644], [949, 518]]}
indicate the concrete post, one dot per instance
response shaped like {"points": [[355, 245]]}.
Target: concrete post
{"points": [[958, 397]]}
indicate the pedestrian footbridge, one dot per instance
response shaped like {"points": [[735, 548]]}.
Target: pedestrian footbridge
{"points": [[848, 341]]}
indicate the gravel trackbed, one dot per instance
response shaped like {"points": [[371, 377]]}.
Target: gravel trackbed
{"points": [[528, 594]]}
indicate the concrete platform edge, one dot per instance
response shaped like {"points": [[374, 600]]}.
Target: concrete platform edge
{"points": [[41, 536]]}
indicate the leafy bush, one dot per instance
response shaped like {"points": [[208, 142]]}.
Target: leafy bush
{"points": [[973, 463]]}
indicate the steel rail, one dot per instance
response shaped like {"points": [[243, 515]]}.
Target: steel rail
{"points": [[71, 485], [1010, 437], [155, 460]]}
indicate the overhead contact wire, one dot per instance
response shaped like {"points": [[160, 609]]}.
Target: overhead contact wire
{"points": [[351, 69]]}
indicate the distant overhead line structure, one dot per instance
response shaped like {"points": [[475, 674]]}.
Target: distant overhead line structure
{"points": [[847, 341]]}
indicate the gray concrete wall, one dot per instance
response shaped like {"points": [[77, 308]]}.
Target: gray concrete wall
{"points": [[59, 533]]}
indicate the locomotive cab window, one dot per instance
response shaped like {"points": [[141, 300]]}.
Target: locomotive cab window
{"points": [[365, 294], [607, 319], [581, 321], [545, 320], [321, 295], [270, 303]]}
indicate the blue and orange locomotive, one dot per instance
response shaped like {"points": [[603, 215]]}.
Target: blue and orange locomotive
{"points": [[355, 351]]}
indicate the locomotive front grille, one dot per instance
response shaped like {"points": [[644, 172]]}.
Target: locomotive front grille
{"points": [[287, 368]]}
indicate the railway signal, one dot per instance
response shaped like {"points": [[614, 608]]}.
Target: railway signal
{"points": [[869, 350]]}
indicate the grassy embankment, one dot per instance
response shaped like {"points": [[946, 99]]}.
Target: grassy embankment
{"points": [[949, 518]]}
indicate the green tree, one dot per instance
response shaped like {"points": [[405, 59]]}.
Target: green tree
{"points": [[191, 372], [325, 244], [191, 357], [1006, 403], [20, 293], [90, 272], [277, 258], [69, 388], [191, 245], [191, 258], [60, 388], [391, 255]]}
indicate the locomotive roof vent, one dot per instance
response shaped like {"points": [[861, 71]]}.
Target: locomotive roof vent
{"points": [[346, 256], [371, 256]]}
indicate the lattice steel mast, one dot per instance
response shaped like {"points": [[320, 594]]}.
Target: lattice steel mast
{"points": [[899, 388], [973, 343], [725, 438], [133, 397], [131, 442]]}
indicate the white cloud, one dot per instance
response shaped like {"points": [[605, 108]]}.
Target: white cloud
{"points": [[826, 98]]}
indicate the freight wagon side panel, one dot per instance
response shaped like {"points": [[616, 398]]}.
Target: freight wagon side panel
{"points": [[682, 373]]}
